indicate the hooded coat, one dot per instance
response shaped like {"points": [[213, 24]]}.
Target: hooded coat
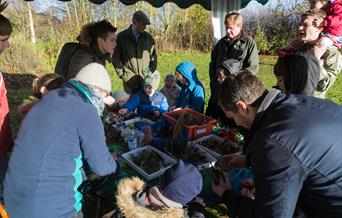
{"points": [[300, 71], [192, 94], [127, 188]]}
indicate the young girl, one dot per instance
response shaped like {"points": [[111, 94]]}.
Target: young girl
{"points": [[171, 90], [40, 86]]}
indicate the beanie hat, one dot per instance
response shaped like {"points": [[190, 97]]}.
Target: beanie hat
{"points": [[95, 74], [140, 16], [231, 65], [153, 80], [181, 183], [120, 94]]}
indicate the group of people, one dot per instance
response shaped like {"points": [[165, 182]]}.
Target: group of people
{"points": [[293, 143]]}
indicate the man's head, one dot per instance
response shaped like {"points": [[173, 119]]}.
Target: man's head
{"points": [[317, 3], [311, 25], [102, 34], [139, 21], [5, 29], [239, 98], [233, 22]]}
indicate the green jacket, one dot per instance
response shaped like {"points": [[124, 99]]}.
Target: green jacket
{"points": [[132, 58], [244, 49]]}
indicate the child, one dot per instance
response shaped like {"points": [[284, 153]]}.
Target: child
{"points": [[192, 91], [121, 98], [171, 90], [40, 86], [179, 186], [149, 101], [297, 73], [332, 32]]}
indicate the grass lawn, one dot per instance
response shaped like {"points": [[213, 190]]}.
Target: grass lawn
{"points": [[18, 85]]}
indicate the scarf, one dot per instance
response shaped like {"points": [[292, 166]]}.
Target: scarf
{"points": [[93, 97]]}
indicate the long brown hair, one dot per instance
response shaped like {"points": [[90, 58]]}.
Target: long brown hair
{"points": [[49, 81]]}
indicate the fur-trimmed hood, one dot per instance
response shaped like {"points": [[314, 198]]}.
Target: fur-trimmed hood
{"points": [[130, 208]]}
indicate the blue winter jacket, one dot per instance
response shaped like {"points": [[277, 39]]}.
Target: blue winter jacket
{"points": [[295, 151], [146, 104], [45, 168], [192, 94]]}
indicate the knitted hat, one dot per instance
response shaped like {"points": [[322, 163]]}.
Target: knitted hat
{"points": [[231, 65], [153, 80], [120, 94], [181, 183], [96, 75], [140, 16]]}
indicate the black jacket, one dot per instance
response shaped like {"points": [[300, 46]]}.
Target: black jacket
{"points": [[295, 150]]}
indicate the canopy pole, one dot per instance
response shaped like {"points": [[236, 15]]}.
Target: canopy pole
{"points": [[219, 10]]}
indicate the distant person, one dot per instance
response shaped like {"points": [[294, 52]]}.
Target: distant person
{"points": [[293, 148], [97, 42], [40, 86], [297, 73], [238, 45], [135, 56], [332, 32], [192, 91], [6, 139], [171, 90], [60, 131], [149, 101], [310, 29]]}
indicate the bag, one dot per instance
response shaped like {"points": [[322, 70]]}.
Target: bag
{"points": [[63, 61]]}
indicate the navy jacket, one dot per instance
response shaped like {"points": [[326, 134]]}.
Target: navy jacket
{"points": [[45, 167], [295, 152], [192, 94]]}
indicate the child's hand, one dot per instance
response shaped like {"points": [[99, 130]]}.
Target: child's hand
{"points": [[123, 111], [248, 189], [156, 112]]}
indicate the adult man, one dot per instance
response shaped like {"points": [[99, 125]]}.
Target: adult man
{"points": [[235, 45], [294, 149], [310, 28], [45, 168], [135, 55]]}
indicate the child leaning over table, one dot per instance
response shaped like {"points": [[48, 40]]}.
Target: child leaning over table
{"points": [[171, 90], [175, 197], [149, 101]]}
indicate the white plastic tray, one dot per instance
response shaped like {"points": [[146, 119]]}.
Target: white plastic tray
{"points": [[167, 160], [210, 158], [212, 136], [128, 122]]}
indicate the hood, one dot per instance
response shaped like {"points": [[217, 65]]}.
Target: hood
{"points": [[188, 70], [130, 208]]}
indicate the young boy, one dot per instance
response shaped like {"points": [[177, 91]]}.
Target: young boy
{"points": [[171, 90], [149, 101], [192, 92], [332, 32]]}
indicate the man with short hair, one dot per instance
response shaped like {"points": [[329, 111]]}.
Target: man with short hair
{"points": [[135, 55], [294, 149], [310, 28], [238, 45]]}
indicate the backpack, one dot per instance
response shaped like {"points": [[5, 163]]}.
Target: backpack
{"points": [[64, 57]]}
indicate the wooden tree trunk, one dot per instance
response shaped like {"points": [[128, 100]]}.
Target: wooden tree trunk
{"points": [[115, 12], [31, 23], [76, 15]]}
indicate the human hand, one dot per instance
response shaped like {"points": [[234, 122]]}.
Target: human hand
{"points": [[235, 160], [123, 111], [221, 187], [247, 188], [156, 112]]}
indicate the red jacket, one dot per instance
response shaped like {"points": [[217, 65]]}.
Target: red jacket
{"points": [[6, 140], [333, 21]]}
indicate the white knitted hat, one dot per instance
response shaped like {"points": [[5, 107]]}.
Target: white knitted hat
{"points": [[96, 75]]}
